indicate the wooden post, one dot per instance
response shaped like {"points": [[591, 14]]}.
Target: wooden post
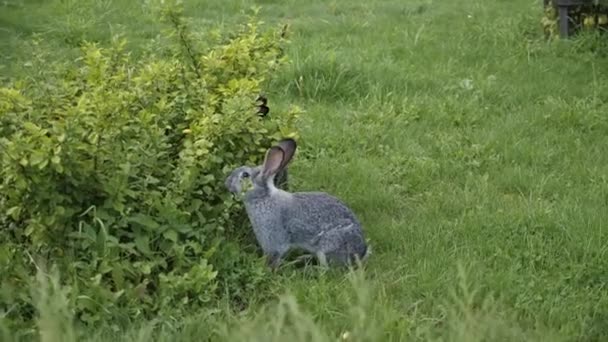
{"points": [[563, 7], [563, 21]]}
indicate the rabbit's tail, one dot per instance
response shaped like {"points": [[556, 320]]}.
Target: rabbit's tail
{"points": [[368, 252]]}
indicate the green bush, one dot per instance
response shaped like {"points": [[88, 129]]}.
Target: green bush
{"points": [[112, 168]]}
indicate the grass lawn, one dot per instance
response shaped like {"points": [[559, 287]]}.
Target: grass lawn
{"points": [[474, 152]]}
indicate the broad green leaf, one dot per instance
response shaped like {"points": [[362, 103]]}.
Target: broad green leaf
{"points": [[142, 242], [14, 212], [31, 127], [144, 221], [36, 158], [171, 235]]}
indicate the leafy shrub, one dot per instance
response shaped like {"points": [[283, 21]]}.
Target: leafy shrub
{"points": [[113, 168]]}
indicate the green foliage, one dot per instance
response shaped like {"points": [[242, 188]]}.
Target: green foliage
{"points": [[365, 315], [113, 168], [487, 148]]}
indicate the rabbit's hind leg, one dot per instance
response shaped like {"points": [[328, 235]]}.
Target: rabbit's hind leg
{"points": [[344, 246], [322, 259]]}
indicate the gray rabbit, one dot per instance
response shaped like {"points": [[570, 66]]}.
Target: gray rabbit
{"points": [[314, 221]]}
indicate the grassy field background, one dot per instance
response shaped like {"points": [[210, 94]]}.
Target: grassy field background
{"points": [[474, 152]]}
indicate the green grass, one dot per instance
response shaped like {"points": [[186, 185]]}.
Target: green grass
{"points": [[474, 152]]}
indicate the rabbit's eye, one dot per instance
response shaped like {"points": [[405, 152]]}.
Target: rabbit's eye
{"points": [[245, 174]]}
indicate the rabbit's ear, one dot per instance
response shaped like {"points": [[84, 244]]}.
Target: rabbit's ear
{"points": [[289, 148], [273, 161]]}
